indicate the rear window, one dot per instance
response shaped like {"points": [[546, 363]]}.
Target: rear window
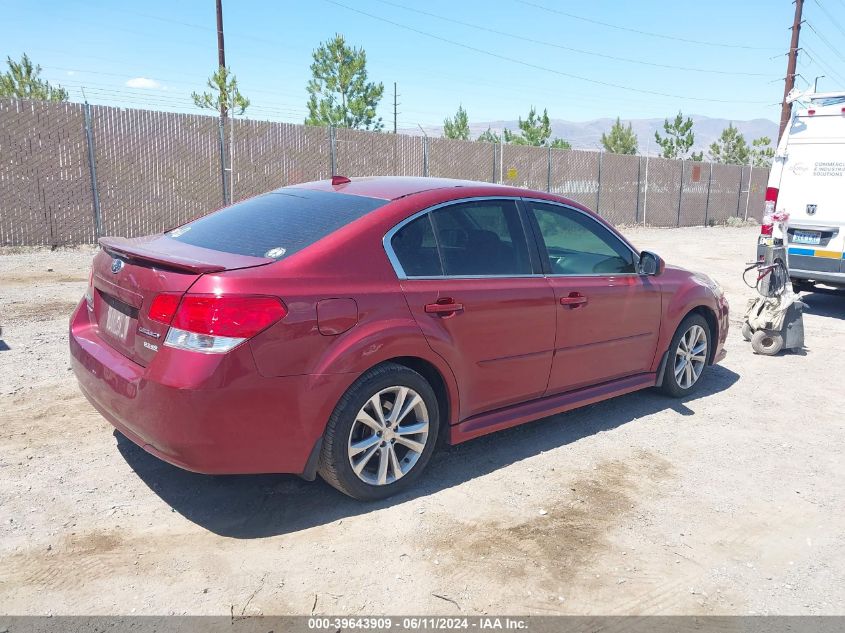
{"points": [[275, 224]]}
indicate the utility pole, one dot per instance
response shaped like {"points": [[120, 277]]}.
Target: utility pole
{"points": [[221, 49], [395, 106], [789, 81], [221, 126]]}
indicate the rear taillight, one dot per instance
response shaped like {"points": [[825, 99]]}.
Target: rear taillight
{"points": [[163, 307], [768, 225], [214, 324]]}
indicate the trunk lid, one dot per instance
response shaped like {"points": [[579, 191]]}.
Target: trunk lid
{"points": [[127, 275]]}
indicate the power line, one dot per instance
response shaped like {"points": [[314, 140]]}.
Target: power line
{"points": [[648, 33], [830, 17], [569, 48], [814, 58], [824, 40], [535, 66]]}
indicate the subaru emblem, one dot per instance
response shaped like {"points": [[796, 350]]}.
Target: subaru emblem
{"points": [[116, 265], [811, 209]]}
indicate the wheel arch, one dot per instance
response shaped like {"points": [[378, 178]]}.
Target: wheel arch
{"points": [[435, 378]]}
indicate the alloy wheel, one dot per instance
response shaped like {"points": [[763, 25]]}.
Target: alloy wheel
{"points": [[690, 356], [388, 436]]}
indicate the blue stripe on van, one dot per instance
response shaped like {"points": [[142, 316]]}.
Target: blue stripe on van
{"points": [[802, 251]]}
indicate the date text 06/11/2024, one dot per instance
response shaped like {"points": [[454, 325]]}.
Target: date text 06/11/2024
{"points": [[417, 623]]}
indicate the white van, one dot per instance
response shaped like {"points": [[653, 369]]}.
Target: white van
{"points": [[807, 184]]}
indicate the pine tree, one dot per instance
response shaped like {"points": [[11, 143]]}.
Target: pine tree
{"points": [[23, 81], [620, 140], [457, 128], [730, 148], [679, 138], [762, 152], [489, 136], [224, 96], [339, 93], [535, 130]]}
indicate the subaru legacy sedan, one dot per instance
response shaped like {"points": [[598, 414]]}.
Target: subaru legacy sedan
{"points": [[345, 327]]}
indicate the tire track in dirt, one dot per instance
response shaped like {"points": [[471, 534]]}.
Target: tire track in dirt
{"points": [[560, 544]]}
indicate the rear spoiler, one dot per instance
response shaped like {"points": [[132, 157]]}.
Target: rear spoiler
{"points": [[168, 253]]}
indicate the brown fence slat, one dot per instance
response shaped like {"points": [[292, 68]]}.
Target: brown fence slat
{"points": [[155, 170]]}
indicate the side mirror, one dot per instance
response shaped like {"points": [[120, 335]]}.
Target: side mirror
{"points": [[650, 264]]}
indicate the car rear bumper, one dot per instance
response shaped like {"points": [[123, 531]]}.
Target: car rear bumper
{"points": [[207, 413]]}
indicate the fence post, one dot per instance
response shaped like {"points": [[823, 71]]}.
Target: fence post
{"points": [[645, 191], [495, 154], [748, 187], [332, 151], [549, 171], [739, 189], [92, 169], [681, 191], [598, 188], [639, 175], [221, 133], [425, 156], [707, 204]]}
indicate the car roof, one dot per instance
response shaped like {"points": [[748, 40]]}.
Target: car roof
{"points": [[394, 187]]}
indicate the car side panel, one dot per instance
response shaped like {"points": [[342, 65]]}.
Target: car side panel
{"points": [[683, 292], [614, 334], [499, 345]]}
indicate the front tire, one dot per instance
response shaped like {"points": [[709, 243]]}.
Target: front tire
{"points": [[689, 352], [381, 434]]}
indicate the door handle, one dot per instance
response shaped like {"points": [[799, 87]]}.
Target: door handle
{"points": [[573, 300], [444, 307]]}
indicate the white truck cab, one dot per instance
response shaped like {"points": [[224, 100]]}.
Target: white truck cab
{"points": [[805, 198]]}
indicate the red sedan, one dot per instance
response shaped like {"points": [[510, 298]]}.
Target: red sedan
{"points": [[343, 327]]}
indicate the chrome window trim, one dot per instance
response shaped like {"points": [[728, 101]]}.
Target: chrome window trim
{"points": [[635, 254], [400, 272]]}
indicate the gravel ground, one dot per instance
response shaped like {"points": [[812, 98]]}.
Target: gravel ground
{"points": [[729, 502]]}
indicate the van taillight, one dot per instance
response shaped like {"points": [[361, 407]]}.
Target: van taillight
{"points": [[214, 324], [768, 225]]}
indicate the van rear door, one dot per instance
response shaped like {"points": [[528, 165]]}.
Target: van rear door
{"points": [[812, 191]]}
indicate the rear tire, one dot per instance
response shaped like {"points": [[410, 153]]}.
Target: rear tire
{"points": [[767, 343], [747, 332], [370, 449], [689, 353]]}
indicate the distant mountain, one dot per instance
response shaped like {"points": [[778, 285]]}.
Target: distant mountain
{"points": [[587, 134]]}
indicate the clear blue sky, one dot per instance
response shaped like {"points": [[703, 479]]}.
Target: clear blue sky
{"points": [[438, 63]]}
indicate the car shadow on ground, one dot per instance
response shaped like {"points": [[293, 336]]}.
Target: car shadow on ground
{"points": [[258, 506], [826, 304]]}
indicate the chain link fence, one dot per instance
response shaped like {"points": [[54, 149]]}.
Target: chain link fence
{"points": [[71, 172]]}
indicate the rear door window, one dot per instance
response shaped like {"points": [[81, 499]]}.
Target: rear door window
{"points": [[416, 249], [276, 224], [481, 238]]}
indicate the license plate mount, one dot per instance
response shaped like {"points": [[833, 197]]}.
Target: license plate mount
{"points": [[117, 323], [806, 237]]}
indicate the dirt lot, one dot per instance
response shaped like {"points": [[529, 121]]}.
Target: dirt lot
{"points": [[729, 502]]}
